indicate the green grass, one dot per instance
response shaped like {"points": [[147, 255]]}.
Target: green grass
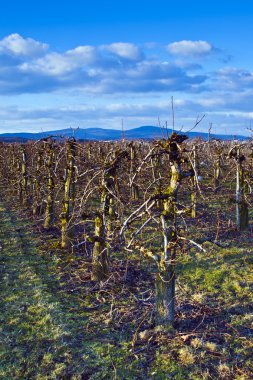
{"points": [[220, 282], [41, 337]]}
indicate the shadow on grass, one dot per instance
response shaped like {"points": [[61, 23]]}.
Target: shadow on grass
{"points": [[45, 331]]}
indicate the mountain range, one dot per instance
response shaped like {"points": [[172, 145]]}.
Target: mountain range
{"points": [[100, 134]]}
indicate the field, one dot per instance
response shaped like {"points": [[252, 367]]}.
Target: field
{"points": [[126, 260]]}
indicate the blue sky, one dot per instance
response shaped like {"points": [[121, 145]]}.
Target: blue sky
{"points": [[94, 63]]}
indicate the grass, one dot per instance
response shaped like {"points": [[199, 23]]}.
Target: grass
{"points": [[40, 336], [57, 324]]}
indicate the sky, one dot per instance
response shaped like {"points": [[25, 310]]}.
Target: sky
{"points": [[97, 63]]}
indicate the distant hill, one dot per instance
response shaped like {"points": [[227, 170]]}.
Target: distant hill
{"points": [[100, 134]]}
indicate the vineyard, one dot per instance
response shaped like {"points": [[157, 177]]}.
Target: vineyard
{"points": [[126, 260]]}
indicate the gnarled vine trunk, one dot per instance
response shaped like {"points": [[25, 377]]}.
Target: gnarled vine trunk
{"points": [[166, 277], [242, 212], [50, 186], [68, 193], [100, 267]]}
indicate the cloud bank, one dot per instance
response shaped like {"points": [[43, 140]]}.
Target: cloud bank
{"points": [[28, 66], [146, 74]]}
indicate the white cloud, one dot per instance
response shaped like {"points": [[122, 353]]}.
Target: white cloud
{"points": [[190, 48], [125, 50], [83, 54], [55, 64], [19, 46], [232, 78], [51, 64]]}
